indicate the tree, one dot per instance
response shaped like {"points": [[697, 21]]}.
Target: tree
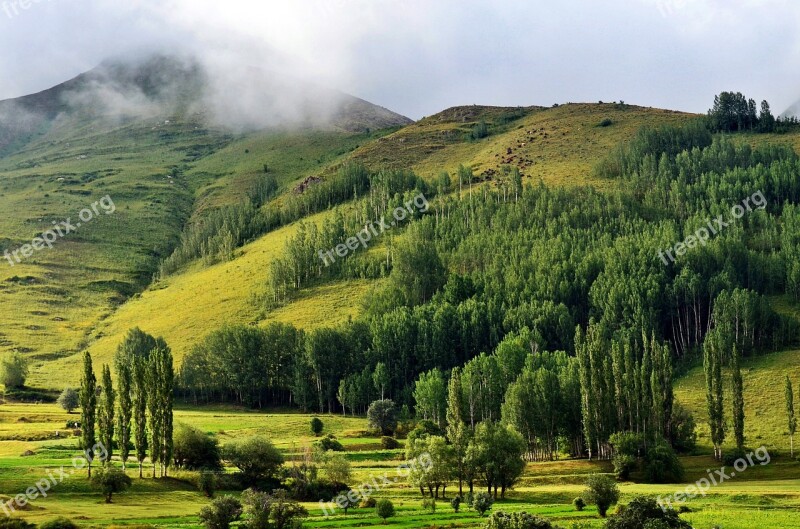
{"points": [[69, 400], [139, 388], [518, 520], [105, 414], [430, 394], [646, 513], [337, 467], [271, 511], [381, 379], [14, 371], [737, 387], [111, 481], [602, 491], [495, 453], [123, 367], [317, 426], [195, 450], [221, 513], [382, 415], [790, 413], [88, 410], [256, 457], [712, 365], [384, 509]]}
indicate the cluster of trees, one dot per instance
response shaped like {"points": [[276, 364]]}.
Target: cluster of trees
{"points": [[138, 413], [733, 112]]}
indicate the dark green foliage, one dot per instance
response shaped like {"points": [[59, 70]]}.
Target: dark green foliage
{"points": [[663, 465], [8, 522], [384, 509], [602, 491], [195, 450], [221, 513], [682, 430], [579, 503], [69, 400], [479, 131], [517, 520], [105, 414], [389, 443], [792, 419], [59, 523], [330, 442], [495, 455], [627, 448], [14, 371], [607, 122], [455, 503], [271, 511], [88, 410], [316, 426], [256, 458], [645, 513], [111, 481], [382, 415], [207, 483], [482, 502]]}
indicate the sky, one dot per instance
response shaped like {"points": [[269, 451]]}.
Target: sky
{"points": [[418, 57]]}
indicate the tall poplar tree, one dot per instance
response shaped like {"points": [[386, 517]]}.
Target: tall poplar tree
{"points": [[712, 365], [737, 399], [124, 370], [790, 414], [140, 392], [88, 410], [105, 414]]}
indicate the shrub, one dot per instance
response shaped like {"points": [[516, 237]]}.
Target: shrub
{"points": [[663, 465], [382, 415], [111, 481], [455, 503], [368, 503], [221, 513], [602, 491], [605, 123], [194, 450], [317, 426], [424, 428], [273, 511], [59, 523], [337, 467], [579, 504], [329, 442], [384, 509], [255, 457], [683, 435], [207, 483], [14, 371], [645, 513], [624, 464], [429, 504], [517, 520], [482, 502], [69, 400], [389, 443], [14, 523]]}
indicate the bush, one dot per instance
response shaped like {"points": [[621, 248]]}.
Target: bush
{"points": [[221, 513], [255, 457], [59, 523], [14, 371], [517, 520], [384, 509], [429, 504], [317, 426], [683, 435], [329, 442], [579, 504], [623, 466], [645, 513], [111, 481], [422, 429], [455, 503], [207, 483], [605, 123], [194, 450], [14, 523], [368, 503], [382, 415], [602, 491], [337, 467], [482, 502], [729, 458], [273, 511], [389, 443], [663, 465], [69, 400]]}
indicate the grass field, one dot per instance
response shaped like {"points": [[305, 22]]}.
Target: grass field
{"points": [[765, 496]]}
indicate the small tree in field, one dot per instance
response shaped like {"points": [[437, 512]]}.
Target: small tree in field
{"points": [[317, 426], [382, 415], [111, 481], [482, 502], [69, 400], [14, 371], [384, 509], [221, 513], [602, 491]]}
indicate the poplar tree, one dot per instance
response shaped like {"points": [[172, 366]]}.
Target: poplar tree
{"points": [[790, 414], [737, 387], [124, 372], [88, 409], [154, 408], [712, 365], [457, 431], [105, 414], [140, 392]]}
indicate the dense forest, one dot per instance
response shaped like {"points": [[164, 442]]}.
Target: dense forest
{"points": [[547, 309]]}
